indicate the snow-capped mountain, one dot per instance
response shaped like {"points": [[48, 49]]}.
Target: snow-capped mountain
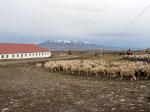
{"points": [[69, 45], [65, 42]]}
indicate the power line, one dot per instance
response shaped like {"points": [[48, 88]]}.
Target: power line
{"points": [[132, 22]]}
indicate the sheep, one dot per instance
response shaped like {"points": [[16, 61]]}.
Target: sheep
{"points": [[74, 69], [142, 57], [135, 68], [146, 71], [87, 69], [39, 65], [99, 68], [112, 72], [51, 66], [67, 68], [127, 72]]}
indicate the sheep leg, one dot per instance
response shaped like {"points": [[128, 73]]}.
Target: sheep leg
{"points": [[121, 77], [86, 73], [112, 75], [90, 73], [134, 77], [83, 73], [79, 73], [105, 73], [52, 70], [72, 73], [147, 76], [96, 74]]}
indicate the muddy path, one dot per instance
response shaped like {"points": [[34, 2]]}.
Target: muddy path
{"points": [[24, 89]]}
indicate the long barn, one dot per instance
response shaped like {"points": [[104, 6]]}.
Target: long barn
{"points": [[22, 51]]}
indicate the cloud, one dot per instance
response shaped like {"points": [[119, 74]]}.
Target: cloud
{"points": [[88, 20]]}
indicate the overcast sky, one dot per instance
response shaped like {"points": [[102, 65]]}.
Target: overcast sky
{"points": [[97, 21]]}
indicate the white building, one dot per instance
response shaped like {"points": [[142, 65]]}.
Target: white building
{"points": [[22, 51]]}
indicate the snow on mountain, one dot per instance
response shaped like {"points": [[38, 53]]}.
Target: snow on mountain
{"points": [[65, 42], [59, 41], [69, 45]]}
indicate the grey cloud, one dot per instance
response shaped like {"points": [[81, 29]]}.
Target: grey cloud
{"points": [[88, 20], [115, 35]]}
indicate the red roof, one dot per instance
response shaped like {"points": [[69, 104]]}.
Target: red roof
{"points": [[9, 48]]}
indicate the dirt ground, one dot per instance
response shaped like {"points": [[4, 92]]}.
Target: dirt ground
{"points": [[24, 89]]}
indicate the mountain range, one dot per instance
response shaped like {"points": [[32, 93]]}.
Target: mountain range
{"points": [[59, 45]]}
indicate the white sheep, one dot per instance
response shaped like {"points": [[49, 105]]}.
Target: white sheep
{"points": [[39, 65], [127, 72], [99, 68]]}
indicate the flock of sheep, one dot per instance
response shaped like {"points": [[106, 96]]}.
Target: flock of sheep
{"points": [[143, 57], [100, 68]]}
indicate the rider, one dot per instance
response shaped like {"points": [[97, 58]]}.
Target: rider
{"points": [[129, 52]]}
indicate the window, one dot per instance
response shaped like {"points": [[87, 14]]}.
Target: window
{"points": [[39, 54], [21, 55], [30, 54], [7, 56], [13, 55], [17, 55], [2, 56], [36, 54], [26, 55], [42, 53]]}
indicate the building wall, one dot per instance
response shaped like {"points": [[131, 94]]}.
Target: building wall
{"points": [[25, 55]]}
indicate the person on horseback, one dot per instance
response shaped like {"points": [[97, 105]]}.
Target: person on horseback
{"points": [[129, 52]]}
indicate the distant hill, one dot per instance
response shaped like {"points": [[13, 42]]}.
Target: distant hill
{"points": [[59, 45]]}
